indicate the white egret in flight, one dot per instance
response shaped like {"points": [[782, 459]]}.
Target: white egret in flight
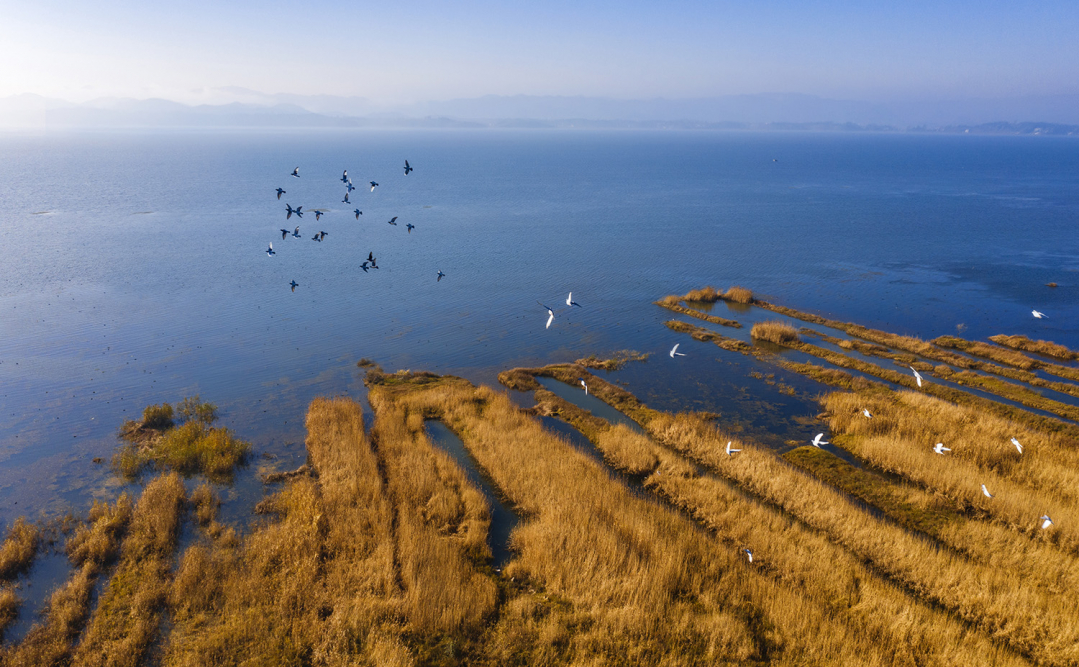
{"points": [[675, 352], [818, 440], [940, 448]]}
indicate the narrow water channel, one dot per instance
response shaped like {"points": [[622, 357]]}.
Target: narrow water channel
{"points": [[503, 519]]}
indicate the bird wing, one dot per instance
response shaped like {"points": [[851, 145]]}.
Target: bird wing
{"points": [[549, 320]]}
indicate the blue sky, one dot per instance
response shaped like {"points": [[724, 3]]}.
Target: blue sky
{"points": [[417, 50]]}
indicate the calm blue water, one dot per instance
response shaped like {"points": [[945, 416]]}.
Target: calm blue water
{"points": [[134, 269]]}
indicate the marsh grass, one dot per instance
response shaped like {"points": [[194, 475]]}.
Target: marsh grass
{"points": [[1039, 620], [91, 549], [674, 303], [1043, 347], [442, 523], [794, 555], [318, 579], [623, 580], [19, 549], [127, 616], [775, 331], [739, 295], [190, 448], [900, 438], [158, 417]]}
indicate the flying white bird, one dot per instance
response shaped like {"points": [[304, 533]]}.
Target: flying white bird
{"points": [[729, 450], [270, 252], [675, 352], [1038, 314], [584, 385], [571, 302], [550, 315], [748, 553], [818, 441], [865, 411], [1046, 521], [917, 375], [1017, 445], [940, 448], [985, 491]]}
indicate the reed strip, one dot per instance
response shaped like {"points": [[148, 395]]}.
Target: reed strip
{"points": [[128, 614], [442, 523]]}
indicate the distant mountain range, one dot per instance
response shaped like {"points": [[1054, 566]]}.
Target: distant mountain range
{"points": [[1055, 115]]}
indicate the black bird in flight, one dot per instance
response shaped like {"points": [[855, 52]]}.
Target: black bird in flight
{"points": [[393, 221], [440, 275], [373, 186], [270, 252], [364, 267], [296, 172], [296, 232], [318, 214], [284, 233], [321, 235], [349, 186], [358, 213], [407, 168], [298, 211], [345, 200], [344, 177], [316, 237], [371, 257], [410, 227], [294, 285], [279, 193]]}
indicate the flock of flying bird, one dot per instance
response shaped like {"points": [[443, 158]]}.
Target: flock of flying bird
{"points": [[370, 262]]}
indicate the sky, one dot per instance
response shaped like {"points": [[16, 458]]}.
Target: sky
{"points": [[403, 52]]}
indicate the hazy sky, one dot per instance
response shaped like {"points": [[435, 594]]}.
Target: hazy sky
{"points": [[415, 50]]}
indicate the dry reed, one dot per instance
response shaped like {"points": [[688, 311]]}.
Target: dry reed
{"points": [[319, 581], [621, 563], [128, 614], [988, 597], [796, 556], [442, 523], [1042, 347], [19, 548], [91, 549], [775, 331]]}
